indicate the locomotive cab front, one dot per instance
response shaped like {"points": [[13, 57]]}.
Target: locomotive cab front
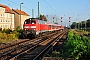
{"points": [[30, 28]]}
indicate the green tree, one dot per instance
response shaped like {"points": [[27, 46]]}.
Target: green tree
{"points": [[73, 25], [55, 23], [43, 17], [83, 24], [88, 23]]}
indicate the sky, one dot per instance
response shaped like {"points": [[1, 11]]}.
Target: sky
{"points": [[78, 10]]}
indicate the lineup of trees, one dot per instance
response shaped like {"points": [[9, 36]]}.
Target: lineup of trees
{"points": [[43, 17], [81, 25], [75, 25]]}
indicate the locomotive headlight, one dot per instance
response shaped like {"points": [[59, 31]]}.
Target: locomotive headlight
{"points": [[34, 29], [26, 27]]}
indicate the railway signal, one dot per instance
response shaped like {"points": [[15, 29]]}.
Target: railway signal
{"points": [[69, 20], [53, 18], [76, 25], [61, 20]]}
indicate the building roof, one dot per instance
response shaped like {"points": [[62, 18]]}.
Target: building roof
{"points": [[20, 12], [1, 5], [7, 9]]}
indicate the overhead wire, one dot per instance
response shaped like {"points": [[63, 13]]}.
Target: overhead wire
{"points": [[50, 7], [82, 13], [22, 6], [85, 7], [30, 9]]}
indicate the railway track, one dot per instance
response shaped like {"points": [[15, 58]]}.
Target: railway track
{"points": [[39, 52], [16, 49], [6, 45]]}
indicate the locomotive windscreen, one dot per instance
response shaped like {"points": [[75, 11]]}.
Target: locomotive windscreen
{"points": [[33, 22], [28, 21]]}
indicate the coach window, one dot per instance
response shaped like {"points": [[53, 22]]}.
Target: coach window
{"points": [[50, 26], [40, 22]]}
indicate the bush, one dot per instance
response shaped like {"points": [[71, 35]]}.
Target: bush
{"points": [[18, 29], [0, 29], [8, 35], [77, 46], [7, 31]]}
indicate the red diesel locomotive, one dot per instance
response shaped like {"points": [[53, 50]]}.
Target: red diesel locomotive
{"points": [[34, 26]]}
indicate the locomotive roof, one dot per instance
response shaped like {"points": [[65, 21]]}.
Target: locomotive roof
{"points": [[33, 18], [36, 19], [45, 21]]}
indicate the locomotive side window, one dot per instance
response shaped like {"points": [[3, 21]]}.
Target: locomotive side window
{"points": [[33, 22], [40, 22]]}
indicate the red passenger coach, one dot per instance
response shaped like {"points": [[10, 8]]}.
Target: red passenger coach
{"points": [[33, 26]]}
